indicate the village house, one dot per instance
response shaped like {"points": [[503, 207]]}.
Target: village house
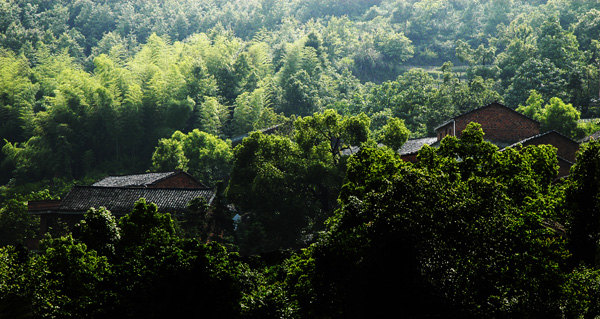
{"points": [[503, 127], [170, 191]]}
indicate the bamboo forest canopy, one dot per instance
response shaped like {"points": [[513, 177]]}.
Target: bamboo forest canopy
{"points": [[89, 87], [293, 111]]}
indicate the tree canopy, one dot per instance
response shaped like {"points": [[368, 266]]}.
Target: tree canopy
{"points": [[294, 111], [480, 233], [89, 87]]}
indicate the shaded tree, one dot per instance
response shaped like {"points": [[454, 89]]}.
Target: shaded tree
{"points": [[98, 231], [467, 239], [582, 201]]}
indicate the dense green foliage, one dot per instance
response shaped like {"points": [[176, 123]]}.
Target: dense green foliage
{"points": [[201, 154], [90, 87], [332, 223], [288, 186], [467, 232], [132, 268]]}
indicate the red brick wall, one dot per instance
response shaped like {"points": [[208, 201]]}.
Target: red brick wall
{"points": [[409, 157], [564, 168], [445, 130], [499, 123], [41, 205], [179, 180]]}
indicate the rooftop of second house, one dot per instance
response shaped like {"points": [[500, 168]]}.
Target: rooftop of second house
{"points": [[413, 145], [133, 180]]}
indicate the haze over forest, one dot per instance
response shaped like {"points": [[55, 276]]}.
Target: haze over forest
{"points": [[91, 88]]}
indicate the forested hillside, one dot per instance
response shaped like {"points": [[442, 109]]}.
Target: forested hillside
{"points": [[90, 88]]}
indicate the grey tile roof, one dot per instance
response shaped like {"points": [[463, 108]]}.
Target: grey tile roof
{"points": [[523, 141], [132, 180], [350, 150], [120, 200], [595, 136], [539, 136], [269, 130], [411, 146], [414, 145]]}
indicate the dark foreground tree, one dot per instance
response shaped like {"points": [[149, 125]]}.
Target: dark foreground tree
{"points": [[583, 199], [99, 231], [160, 275], [152, 274], [287, 187], [458, 235]]}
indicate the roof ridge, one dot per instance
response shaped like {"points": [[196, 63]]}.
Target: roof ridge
{"points": [[482, 107], [154, 188], [145, 173], [139, 179], [539, 135]]}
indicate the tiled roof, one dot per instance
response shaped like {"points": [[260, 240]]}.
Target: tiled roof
{"points": [[238, 139], [411, 146], [132, 180], [595, 136], [350, 150], [538, 136], [120, 200], [414, 145], [564, 160]]}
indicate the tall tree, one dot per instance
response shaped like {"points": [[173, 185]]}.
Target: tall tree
{"points": [[393, 134], [331, 132], [98, 231], [203, 155]]}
